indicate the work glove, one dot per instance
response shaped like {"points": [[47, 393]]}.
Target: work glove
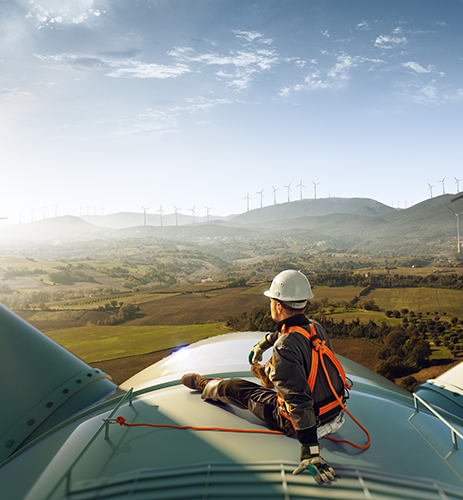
{"points": [[255, 356], [314, 463], [259, 371]]}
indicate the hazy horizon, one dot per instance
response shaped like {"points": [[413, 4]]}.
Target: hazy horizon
{"points": [[117, 106]]}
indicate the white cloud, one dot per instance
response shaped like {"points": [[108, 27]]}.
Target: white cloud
{"points": [[363, 26], [119, 68], [250, 36], [423, 94], [418, 68], [334, 77], [244, 64], [389, 42], [136, 69]]}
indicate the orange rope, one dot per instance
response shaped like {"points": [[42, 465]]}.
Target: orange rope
{"points": [[364, 447], [121, 421]]}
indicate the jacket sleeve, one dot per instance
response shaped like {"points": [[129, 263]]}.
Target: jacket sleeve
{"points": [[289, 376]]}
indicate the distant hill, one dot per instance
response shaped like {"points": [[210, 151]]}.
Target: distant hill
{"points": [[356, 223], [123, 220], [57, 228], [312, 208]]}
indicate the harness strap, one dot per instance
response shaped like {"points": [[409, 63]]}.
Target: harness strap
{"points": [[319, 348]]}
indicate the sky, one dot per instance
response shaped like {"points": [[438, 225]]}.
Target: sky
{"points": [[110, 106]]}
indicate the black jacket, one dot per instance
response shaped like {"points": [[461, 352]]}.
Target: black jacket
{"points": [[290, 370]]}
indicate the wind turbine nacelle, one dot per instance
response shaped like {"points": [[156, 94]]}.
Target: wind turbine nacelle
{"points": [[43, 384]]}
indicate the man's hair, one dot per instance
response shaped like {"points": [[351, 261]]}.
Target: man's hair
{"points": [[293, 309]]}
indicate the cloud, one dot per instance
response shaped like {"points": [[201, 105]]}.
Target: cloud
{"points": [[418, 68], [423, 94], [243, 64], [136, 69], [251, 36], [334, 77], [119, 69], [389, 42], [363, 26], [121, 54]]}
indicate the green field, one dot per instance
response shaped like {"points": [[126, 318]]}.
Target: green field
{"points": [[93, 344], [420, 300], [335, 294]]}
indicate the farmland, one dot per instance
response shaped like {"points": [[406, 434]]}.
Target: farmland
{"points": [[149, 301], [421, 300]]}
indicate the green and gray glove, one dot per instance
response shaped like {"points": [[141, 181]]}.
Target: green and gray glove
{"points": [[255, 356], [314, 463]]}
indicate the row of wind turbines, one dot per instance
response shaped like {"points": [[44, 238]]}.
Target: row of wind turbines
{"points": [[288, 187], [176, 211], [247, 198], [457, 182]]}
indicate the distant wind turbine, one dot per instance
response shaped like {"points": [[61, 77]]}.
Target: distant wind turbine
{"points": [[275, 195], [32, 214], [443, 187], [144, 214], [20, 215], [207, 209], [175, 212], [56, 208], [247, 198], [300, 185], [457, 222], [160, 212], [457, 182], [315, 184], [261, 196], [430, 188], [193, 213], [44, 208], [289, 189]]}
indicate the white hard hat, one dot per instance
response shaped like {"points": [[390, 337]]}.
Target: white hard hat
{"points": [[292, 288]]}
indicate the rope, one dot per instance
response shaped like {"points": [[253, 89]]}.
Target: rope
{"points": [[364, 447], [121, 421]]}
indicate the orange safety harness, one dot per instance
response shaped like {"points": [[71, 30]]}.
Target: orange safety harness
{"points": [[319, 350]]}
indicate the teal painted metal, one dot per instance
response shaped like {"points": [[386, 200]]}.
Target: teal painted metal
{"points": [[42, 383], [454, 431], [105, 425], [411, 455], [449, 401]]}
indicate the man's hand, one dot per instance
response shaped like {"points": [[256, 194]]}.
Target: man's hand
{"points": [[314, 463], [320, 470], [255, 356], [259, 372]]}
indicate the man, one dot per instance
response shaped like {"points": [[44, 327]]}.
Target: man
{"points": [[304, 405]]}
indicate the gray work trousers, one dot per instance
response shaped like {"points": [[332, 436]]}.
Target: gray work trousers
{"points": [[262, 402]]}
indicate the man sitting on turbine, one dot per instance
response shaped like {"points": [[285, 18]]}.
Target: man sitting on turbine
{"points": [[305, 404]]}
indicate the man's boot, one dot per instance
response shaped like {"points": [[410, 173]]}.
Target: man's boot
{"points": [[196, 382]]}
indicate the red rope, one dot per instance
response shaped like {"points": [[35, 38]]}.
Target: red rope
{"points": [[121, 421], [364, 447]]}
